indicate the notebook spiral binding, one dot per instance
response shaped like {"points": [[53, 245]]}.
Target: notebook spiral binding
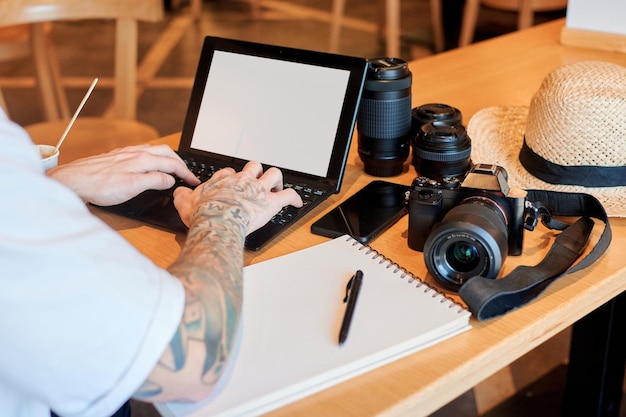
{"points": [[406, 273]]}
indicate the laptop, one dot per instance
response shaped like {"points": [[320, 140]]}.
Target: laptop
{"points": [[289, 108]]}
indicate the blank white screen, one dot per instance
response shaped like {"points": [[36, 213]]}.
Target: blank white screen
{"points": [[277, 112]]}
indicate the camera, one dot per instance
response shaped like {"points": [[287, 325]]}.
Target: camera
{"points": [[466, 226], [441, 146], [384, 117]]}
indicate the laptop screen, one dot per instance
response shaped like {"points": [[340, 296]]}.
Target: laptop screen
{"points": [[256, 108], [289, 108]]}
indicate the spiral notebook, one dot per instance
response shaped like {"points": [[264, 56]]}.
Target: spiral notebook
{"points": [[292, 312]]}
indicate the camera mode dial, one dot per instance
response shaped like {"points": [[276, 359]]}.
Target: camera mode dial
{"points": [[447, 183], [451, 183]]}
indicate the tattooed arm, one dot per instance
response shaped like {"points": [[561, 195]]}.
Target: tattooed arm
{"points": [[219, 213]]}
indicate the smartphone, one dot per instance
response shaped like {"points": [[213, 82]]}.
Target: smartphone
{"points": [[366, 213]]}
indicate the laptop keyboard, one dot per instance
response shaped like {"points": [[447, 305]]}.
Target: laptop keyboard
{"points": [[280, 220], [202, 171], [156, 207]]}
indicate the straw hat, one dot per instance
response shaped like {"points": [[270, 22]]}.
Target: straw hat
{"points": [[572, 137]]}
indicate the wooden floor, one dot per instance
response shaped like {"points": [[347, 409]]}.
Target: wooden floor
{"points": [[168, 57]]}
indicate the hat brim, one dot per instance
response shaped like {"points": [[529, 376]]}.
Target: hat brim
{"points": [[497, 135]]}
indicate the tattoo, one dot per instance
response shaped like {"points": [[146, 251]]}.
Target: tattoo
{"points": [[211, 269]]}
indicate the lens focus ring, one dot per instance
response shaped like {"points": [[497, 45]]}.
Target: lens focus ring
{"points": [[385, 119]]}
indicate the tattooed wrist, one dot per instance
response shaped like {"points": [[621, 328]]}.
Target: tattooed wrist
{"points": [[228, 212]]}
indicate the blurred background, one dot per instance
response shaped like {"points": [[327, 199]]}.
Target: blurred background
{"points": [[172, 45]]}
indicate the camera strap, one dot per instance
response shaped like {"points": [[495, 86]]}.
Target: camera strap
{"points": [[488, 298]]}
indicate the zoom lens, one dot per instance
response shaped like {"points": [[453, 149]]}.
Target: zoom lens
{"points": [[384, 117], [470, 241]]}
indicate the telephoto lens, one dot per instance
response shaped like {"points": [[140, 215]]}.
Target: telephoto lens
{"points": [[384, 117], [441, 146]]}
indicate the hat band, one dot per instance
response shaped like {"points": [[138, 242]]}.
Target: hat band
{"points": [[585, 175]]}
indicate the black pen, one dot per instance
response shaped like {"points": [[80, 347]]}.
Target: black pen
{"points": [[353, 288]]}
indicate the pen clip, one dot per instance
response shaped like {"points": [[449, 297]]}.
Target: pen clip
{"points": [[348, 286]]}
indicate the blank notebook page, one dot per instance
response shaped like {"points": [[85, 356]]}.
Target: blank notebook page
{"points": [[293, 308]]}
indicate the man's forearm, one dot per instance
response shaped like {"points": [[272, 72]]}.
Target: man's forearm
{"points": [[211, 269]]}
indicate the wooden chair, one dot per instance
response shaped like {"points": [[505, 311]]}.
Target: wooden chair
{"points": [[391, 25], [17, 42], [100, 134], [525, 8], [14, 44]]}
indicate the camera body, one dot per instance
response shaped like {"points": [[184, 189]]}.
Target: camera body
{"points": [[466, 226]]}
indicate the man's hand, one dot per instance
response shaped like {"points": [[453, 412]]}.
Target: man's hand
{"points": [[256, 195], [117, 176]]}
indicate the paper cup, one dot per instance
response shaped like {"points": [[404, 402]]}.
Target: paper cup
{"points": [[49, 156]]}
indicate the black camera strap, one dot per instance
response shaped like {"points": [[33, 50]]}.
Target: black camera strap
{"points": [[488, 298]]}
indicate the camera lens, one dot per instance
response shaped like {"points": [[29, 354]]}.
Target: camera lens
{"points": [[470, 241], [384, 117], [463, 256], [441, 147], [441, 151], [436, 113]]}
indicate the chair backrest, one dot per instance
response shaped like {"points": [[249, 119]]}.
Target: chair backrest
{"points": [[126, 13], [29, 11]]}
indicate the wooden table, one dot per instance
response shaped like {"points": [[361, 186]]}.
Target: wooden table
{"points": [[502, 71]]}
